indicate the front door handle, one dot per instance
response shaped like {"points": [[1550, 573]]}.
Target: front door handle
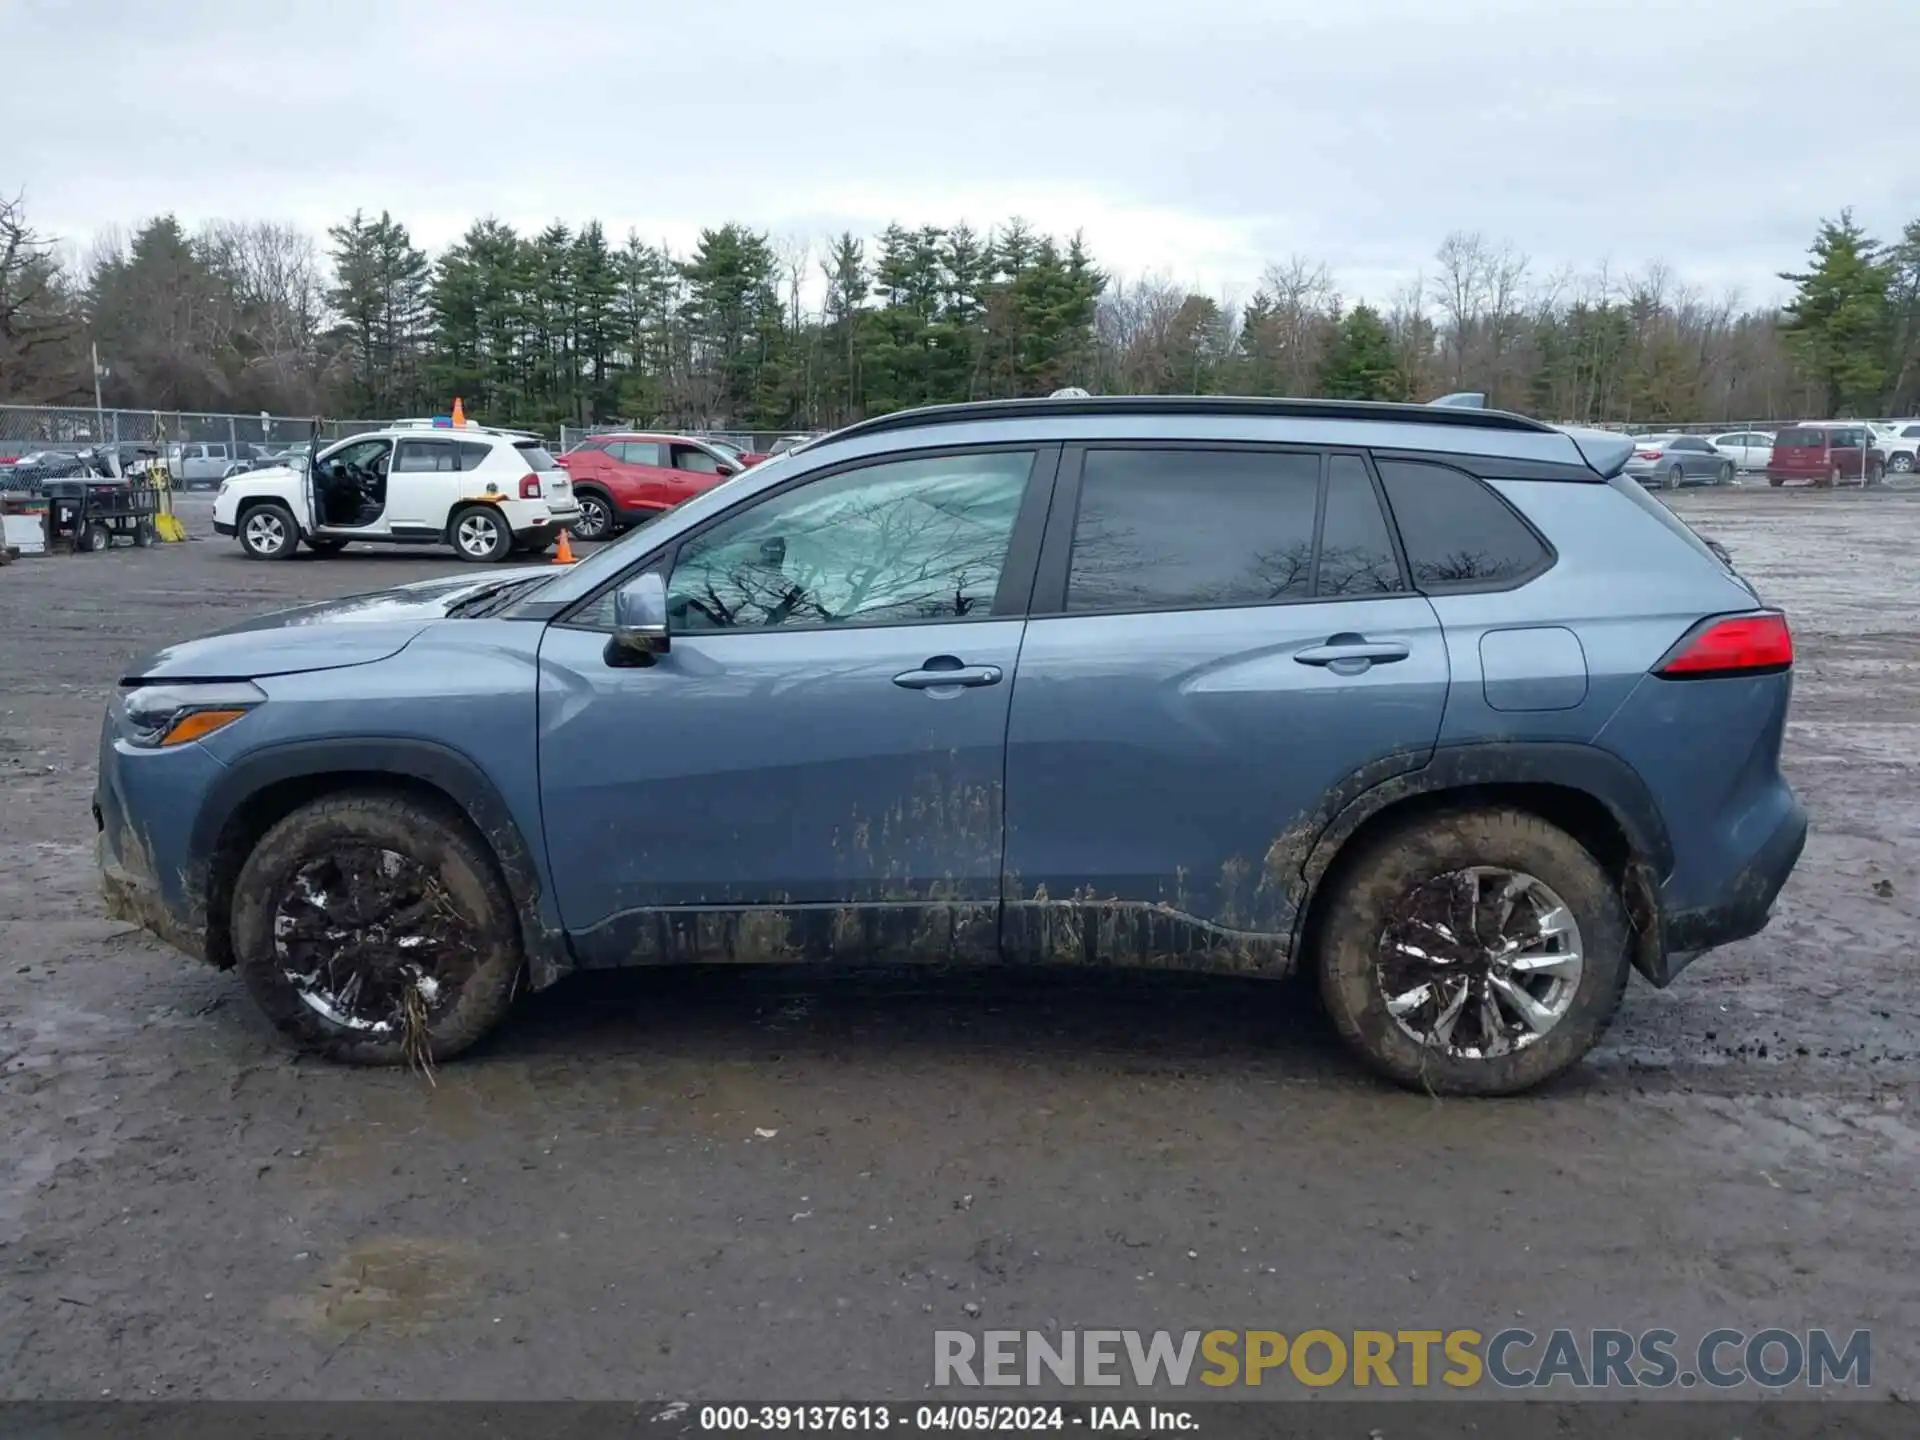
{"points": [[1343, 651], [944, 671]]}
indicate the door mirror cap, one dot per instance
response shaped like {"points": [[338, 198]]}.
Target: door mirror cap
{"points": [[640, 615], [726, 471]]}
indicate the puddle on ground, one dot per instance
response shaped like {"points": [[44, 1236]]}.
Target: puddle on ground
{"points": [[394, 1285]]}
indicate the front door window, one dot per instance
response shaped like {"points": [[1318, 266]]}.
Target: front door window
{"points": [[900, 543]]}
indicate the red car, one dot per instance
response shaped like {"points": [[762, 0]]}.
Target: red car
{"points": [[624, 480]]}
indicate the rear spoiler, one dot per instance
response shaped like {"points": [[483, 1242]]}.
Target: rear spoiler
{"points": [[1604, 450]]}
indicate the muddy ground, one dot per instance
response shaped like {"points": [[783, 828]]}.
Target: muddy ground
{"points": [[593, 1206]]}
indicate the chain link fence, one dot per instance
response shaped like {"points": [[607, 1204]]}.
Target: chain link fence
{"points": [[25, 429]]}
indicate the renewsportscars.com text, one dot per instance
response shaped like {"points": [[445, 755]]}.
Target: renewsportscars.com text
{"points": [[1510, 1359]]}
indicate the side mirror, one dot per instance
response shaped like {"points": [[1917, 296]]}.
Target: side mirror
{"points": [[724, 470], [640, 615]]}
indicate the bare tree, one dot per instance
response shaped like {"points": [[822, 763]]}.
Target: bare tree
{"points": [[40, 328]]}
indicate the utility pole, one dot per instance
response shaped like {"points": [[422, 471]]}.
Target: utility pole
{"points": [[99, 410]]}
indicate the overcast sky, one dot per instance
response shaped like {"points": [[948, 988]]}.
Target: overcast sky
{"points": [[1196, 138]]}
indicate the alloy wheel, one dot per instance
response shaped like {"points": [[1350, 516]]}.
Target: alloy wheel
{"points": [[266, 532], [370, 940], [475, 535], [596, 519], [1478, 963]]}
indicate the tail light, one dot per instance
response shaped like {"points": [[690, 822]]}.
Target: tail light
{"points": [[1735, 645], [530, 486], [1647, 454]]}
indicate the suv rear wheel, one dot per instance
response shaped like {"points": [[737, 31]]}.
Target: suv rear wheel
{"points": [[596, 516], [481, 534], [1476, 952], [375, 929]]}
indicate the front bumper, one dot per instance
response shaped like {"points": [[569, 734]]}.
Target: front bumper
{"points": [[1744, 905], [144, 806]]}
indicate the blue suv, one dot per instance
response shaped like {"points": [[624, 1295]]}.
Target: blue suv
{"points": [[1430, 701]]}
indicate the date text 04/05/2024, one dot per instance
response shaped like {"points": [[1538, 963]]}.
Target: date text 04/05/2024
{"points": [[979, 1419]]}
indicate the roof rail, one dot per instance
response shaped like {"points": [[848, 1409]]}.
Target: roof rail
{"points": [[1232, 405]]}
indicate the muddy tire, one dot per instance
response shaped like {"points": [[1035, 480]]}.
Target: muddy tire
{"points": [[1496, 1002], [375, 929]]}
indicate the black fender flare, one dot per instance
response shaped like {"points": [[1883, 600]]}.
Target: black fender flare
{"points": [[1586, 769], [428, 762]]}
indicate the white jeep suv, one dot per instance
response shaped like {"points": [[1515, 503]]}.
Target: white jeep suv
{"points": [[485, 492]]}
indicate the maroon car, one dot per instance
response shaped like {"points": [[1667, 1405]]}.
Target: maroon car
{"points": [[1826, 453]]}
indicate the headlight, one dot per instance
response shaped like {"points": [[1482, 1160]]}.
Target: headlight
{"points": [[163, 715], [221, 491]]}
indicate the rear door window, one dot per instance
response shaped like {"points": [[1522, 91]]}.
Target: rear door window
{"points": [[473, 453], [1356, 549], [639, 452], [425, 456], [1458, 534], [1186, 529]]}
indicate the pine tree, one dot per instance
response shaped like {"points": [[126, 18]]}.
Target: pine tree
{"points": [[1837, 323], [1360, 365], [380, 293]]}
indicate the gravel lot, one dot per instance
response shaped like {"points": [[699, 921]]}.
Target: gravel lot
{"points": [[589, 1207]]}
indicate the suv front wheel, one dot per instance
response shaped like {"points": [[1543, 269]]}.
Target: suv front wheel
{"points": [[1477, 952], [267, 531], [374, 928]]}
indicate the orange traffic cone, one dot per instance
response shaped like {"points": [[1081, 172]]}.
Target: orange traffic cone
{"points": [[459, 415], [564, 554]]}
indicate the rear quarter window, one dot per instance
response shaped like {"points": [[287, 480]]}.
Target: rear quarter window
{"points": [[1457, 534]]}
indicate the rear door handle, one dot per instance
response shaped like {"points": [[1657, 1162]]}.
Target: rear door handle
{"points": [[1350, 648], [943, 671]]}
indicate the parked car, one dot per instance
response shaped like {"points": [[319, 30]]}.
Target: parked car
{"points": [[199, 464], [626, 479], [1825, 453], [485, 492], [874, 699], [33, 469], [1670, 461], [1748, 449], [1899, 445], [740, 453]]}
